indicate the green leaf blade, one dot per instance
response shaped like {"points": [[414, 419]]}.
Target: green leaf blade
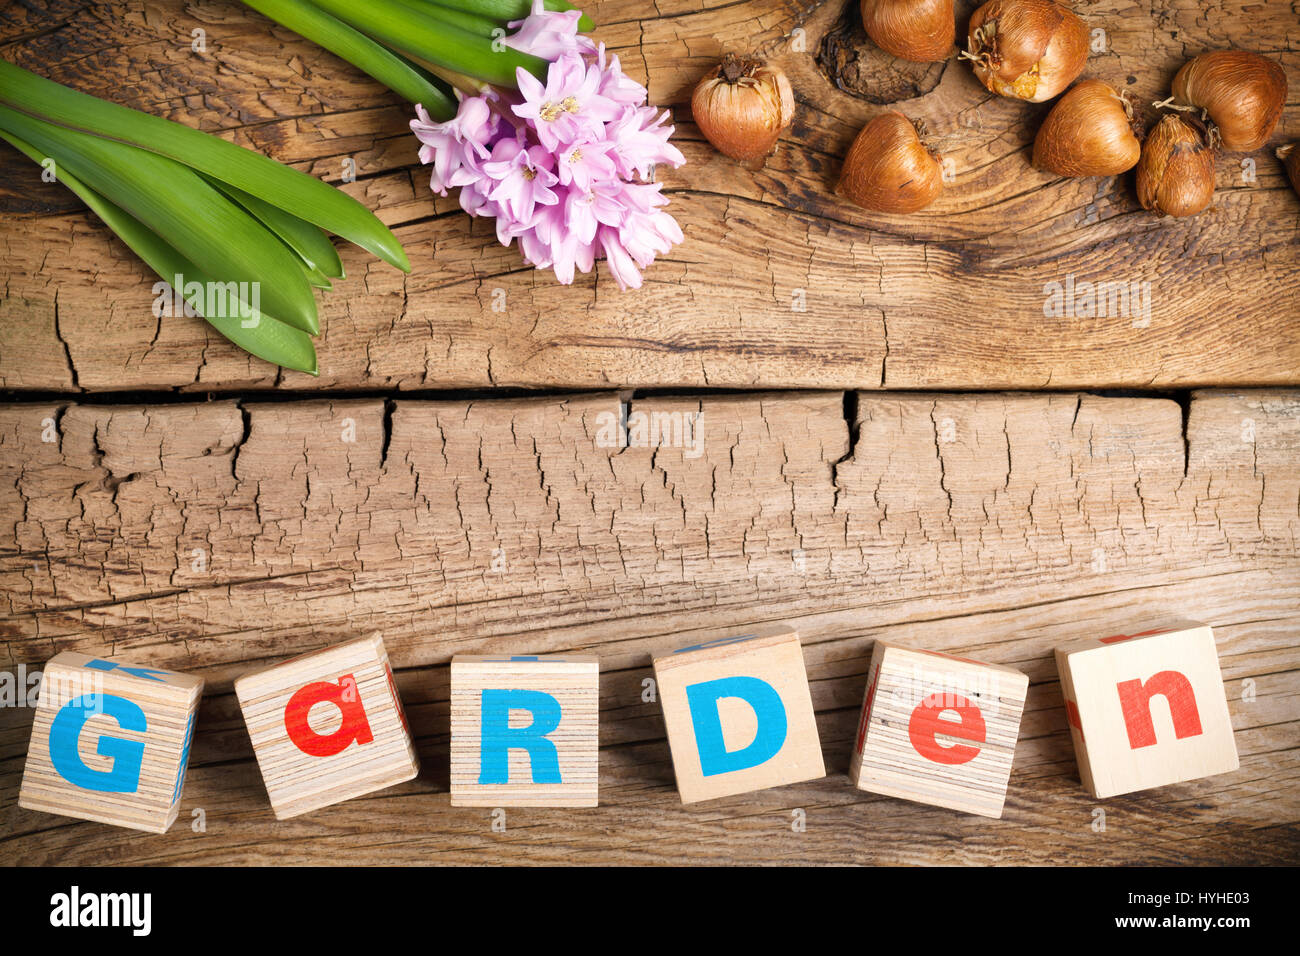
{"points": [[393, 71], [308, 197], [426, 36], [258, 334], [308, 241], [173, 201]]}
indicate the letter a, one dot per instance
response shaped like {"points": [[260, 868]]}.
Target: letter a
{"points": [[343, 695]]}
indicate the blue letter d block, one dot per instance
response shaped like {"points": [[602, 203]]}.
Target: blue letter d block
{"points": [[497, 738], [127, 755], [766, 702]]}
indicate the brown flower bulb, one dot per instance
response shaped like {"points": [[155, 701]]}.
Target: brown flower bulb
{"points": [[1026, 49], [889, 169], [1242, 93], [1290, 156], [1089, 132], [742, 107], [919, 30], [1175, 175]]}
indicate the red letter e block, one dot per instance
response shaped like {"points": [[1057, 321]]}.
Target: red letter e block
{"points": [[938, 729], [1146, 708], [327, 726]]}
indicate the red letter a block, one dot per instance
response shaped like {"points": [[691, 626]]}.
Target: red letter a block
{"points": [[1146, 709], [327, 726]]}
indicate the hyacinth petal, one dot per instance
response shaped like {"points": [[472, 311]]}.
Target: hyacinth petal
{"points": [[617, 261], [530, 87]]}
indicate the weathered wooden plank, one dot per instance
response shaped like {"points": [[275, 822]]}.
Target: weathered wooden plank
{"points": [[993, 525], [952, 297], [1249, 816], [167, 529]]}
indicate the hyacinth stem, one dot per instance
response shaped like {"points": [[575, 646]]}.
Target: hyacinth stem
{"points": [[424, 36], [259, 335], [506, 10], [467, 21], [394, 71]]}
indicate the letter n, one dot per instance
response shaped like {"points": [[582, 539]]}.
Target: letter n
{"points": [[1135, 701]]}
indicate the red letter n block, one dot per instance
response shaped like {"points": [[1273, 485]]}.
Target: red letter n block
{"points": [[938, 729], [1146, 709], [327, 726]]}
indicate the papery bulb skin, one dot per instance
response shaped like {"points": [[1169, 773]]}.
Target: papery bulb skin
{"points": [[1175, 175], [1243, 94], [889, 169], [1026, 49], [742, 107], [923, 31], [1290, 156], [1089, 132]]}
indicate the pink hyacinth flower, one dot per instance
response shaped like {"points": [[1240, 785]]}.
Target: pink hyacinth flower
{"points": [[564, 166]]}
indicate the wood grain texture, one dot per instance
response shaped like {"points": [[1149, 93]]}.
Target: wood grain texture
{"points": [[994, 526], [952, 297]]}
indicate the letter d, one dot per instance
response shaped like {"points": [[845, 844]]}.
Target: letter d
{"points": [[768, 709]]}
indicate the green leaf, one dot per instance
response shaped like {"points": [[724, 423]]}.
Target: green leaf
{"points": [[305, 196], [425, 35], [316, 278], [404, 78], [175, 202], [256, 333], [308, 241]]}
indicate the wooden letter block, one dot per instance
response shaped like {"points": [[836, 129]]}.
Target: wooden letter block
{"points": [[1146, 709], [524, 731], [937, 729], [110, 742], [739, 714], [327, 726]]}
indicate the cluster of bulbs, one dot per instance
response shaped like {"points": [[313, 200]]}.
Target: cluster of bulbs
{"points": [[1029, 50]]}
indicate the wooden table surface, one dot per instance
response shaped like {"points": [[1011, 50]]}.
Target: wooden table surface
{"points": [[918, 454]]}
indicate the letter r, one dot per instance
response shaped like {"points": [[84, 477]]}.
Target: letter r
{"points": [[497, 738]]}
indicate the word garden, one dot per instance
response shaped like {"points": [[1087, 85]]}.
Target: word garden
{"points": [[110, 740]]}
